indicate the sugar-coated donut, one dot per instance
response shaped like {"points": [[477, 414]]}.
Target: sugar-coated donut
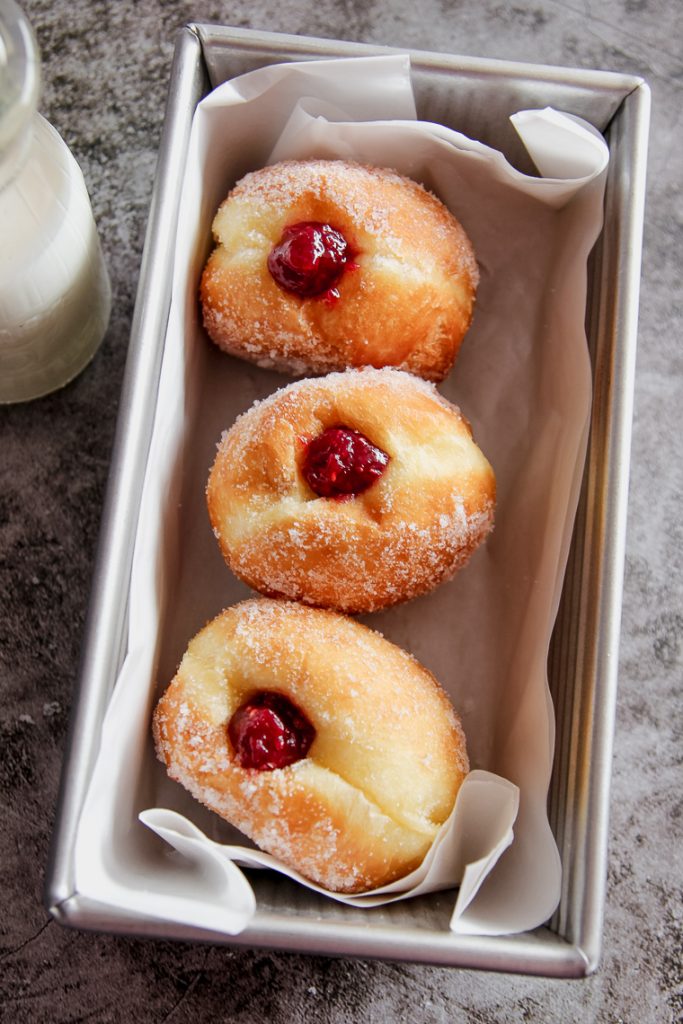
{"points": [[321, 265], [415, 506], [384, 758]]}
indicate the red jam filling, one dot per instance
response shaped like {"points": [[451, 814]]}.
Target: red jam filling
{"points": [[341, 462], [268, 731], [310, 260]]}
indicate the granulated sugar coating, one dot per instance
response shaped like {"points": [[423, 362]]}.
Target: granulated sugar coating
{"points": [[413, 528], [406, 299], [363, 807]]}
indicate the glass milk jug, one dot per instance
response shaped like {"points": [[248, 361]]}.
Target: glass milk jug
{"points": [[55, 297]]}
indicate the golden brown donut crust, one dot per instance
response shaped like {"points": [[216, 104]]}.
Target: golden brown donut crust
{"points": [[408, 304], [412, 529], [389, 756]]}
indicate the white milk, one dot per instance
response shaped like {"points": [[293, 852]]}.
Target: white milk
{"points": [[54, 290]]}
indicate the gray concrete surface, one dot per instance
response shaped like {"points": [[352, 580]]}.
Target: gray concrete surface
{"points": [[106, 68]]}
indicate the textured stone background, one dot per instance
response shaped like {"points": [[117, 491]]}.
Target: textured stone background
{"points": [[106, 68]]}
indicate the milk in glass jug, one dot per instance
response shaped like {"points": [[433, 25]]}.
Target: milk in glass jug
{"points": [[55, 296]]}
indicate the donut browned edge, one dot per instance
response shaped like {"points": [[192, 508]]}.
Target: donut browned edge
{"points": [[408, 304], [411, 530], [363, 807]]}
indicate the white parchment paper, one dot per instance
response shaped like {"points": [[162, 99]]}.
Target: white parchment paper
{"points": [[523, 380]]}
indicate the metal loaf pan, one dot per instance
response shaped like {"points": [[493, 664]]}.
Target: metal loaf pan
{"points": [[475, 96]]}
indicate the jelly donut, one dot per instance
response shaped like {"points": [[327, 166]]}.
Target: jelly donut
{"points": [[321, 265], [327, 745], [352, 491]]}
